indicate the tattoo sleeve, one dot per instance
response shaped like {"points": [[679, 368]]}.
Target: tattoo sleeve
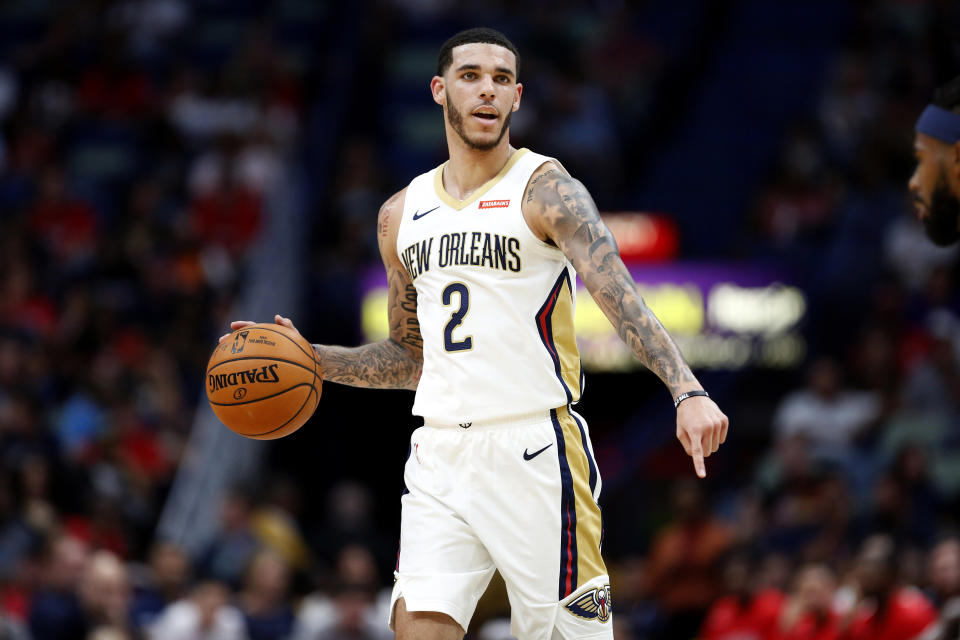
{"points": [[397, 362], [569, 217]]}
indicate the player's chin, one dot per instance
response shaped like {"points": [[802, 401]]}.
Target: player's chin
{"points": [[484, 142]]}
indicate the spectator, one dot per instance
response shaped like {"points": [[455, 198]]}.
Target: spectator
{"points": [[105, 594], [349, 520], [638, 613], [263, 601], [809, 612], [830, 416], [229, 554], [229, 214], [67, 225], [56, 612], [164, 583], [349, 608], [204, 615], [934, 384], [683, 561], [745, 612], [886, 610], [944, 574]]}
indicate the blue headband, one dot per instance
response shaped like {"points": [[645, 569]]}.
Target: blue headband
{"points": [[939, 123]]}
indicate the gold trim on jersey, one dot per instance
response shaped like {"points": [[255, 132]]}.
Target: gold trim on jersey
{"points": [[486, 186], [565, 341]]}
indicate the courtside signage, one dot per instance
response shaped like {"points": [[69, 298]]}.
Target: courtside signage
{"points": [[494, 204]]}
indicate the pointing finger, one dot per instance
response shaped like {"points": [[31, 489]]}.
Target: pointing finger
{"points": [[698, 464]]}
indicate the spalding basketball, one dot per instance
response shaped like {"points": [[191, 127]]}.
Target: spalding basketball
{"points": [[263, 381]]}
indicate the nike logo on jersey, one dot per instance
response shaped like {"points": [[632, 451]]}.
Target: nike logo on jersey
{"points": [[417, 215], [531, 456]]}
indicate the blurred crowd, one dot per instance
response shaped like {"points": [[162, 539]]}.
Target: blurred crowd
{"points": [[139, 141], [842, 521], [241, 587]]}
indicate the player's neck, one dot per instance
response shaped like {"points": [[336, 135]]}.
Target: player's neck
{"points": [[469, 169]]}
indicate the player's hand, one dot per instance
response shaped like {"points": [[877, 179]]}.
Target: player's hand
{"points": [[701, 429], [240, 324]]}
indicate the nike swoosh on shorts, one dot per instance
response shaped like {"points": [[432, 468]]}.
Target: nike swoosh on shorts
{"points": [[531, 456]]}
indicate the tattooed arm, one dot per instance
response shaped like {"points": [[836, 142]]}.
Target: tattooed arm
{"points": [[560, 211], [394, 363]]}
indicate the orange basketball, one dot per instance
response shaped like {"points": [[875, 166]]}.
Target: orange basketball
{"points": [[263, 381]]}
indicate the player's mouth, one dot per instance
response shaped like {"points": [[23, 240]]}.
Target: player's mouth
{"points": [[486, 115]]}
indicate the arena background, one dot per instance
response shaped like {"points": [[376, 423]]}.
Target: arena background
{"points": [[167, 166]]}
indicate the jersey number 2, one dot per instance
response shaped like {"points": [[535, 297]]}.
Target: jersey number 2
{"points": [[456, 317]]}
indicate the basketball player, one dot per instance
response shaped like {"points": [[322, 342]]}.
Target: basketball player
{"points": [[480, 256], [935, 183]]}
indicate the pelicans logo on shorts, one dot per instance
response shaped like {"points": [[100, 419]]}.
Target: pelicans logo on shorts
{"points": [[595, 603]]}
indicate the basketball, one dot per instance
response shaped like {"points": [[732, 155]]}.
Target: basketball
{"points": [[263, 381]]}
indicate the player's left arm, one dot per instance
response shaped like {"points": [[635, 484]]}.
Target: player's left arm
{"points": [[560, 211]]}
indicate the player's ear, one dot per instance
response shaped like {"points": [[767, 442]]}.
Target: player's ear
{"points": [[516, 97], [438, 89]]}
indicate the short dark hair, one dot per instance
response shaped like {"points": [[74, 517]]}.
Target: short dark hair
{"points": [[483, 35], [947, 96]]}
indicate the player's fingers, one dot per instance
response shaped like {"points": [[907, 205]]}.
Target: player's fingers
{"points": [[287, 322], [714, 438], [684, 440], [223, 337], [697, 454], [240, 324], [723, 429]]}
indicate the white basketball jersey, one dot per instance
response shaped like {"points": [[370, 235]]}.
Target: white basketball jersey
{"points": [[494, 302]]}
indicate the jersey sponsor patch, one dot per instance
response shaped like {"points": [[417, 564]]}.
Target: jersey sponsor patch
{"points": [[593, 604], [494, 204]]}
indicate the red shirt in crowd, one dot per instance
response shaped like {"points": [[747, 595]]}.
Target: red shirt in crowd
{"points": [[907, 615], [730, 619], [230, 217], [809, 627]]}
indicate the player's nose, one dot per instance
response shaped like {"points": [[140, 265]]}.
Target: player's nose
{"points": [[487, 87], [914, 184]]}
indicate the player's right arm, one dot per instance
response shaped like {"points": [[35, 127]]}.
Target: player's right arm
{"points": [[394, 363]]}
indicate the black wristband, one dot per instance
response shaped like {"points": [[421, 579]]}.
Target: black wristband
{"points": [[688, 394]]}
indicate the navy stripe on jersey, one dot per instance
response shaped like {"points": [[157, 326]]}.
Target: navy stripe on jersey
{"points": [[568, 517], [545, 327]]}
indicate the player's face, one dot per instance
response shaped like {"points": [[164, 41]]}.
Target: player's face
{"points": [[935, 189], [479, 92]]}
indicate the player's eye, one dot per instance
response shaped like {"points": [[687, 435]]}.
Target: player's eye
{"points": [[469, 75], [503, 79]]}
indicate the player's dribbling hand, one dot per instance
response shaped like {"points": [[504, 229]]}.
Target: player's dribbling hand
{"points": [[240, 324], [701, 429]]}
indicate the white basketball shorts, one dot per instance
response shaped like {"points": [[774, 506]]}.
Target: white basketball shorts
{"points": [[519, 496]]}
